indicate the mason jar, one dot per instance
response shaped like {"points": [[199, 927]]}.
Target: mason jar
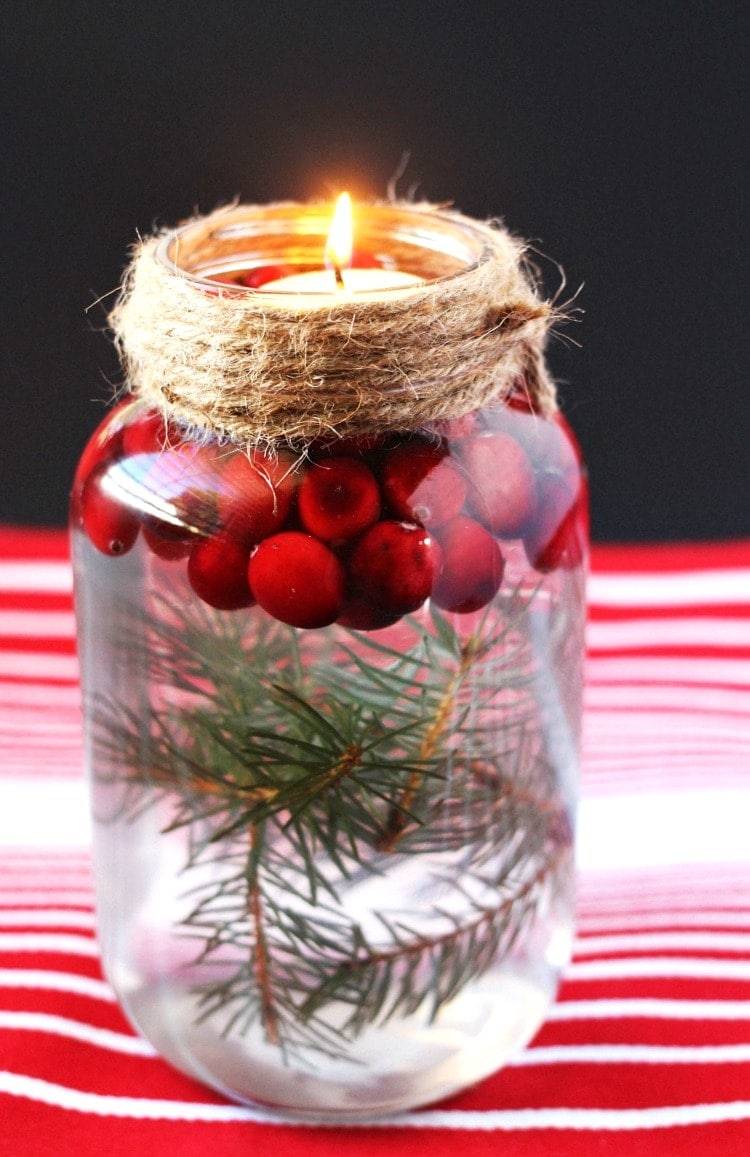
{"points": [[332, 697]]}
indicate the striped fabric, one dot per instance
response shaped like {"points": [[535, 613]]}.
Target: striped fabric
{"points": [[648, 1048]]}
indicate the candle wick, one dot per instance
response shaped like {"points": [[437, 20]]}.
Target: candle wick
{"points": [[338, 275]]}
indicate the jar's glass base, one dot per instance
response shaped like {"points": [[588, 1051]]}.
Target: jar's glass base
{"points": [[400, 1066]]}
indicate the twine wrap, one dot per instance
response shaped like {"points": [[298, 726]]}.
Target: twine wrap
{"points": [[260, 368]]}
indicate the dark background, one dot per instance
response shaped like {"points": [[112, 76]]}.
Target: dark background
{"points": [[610, 135]]}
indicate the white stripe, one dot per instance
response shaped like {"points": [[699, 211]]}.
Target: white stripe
{"points": [[696, 631], [51, 918], [625, 899], [692, 699], [648, 1008], [631, 831], [35, 762], [601, 635], [643, 724], [76, 1030], [46, 811], [633, 1055], [674, 743], [664, 942], [611, 1120], [64, 942], [74, 898], [42, 741], [637, 967], [41, 665], [36, 577], [626, 634], [56, 982], [40, 696], [19, 720], [726, 884], [646, 760], [668, 670], [37, 624], [588, 921], [671, 588]]}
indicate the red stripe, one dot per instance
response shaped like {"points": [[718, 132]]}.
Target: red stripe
{"points": [[660, 557]]}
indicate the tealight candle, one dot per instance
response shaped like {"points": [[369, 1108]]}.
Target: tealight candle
{"points": [[337, 280]]}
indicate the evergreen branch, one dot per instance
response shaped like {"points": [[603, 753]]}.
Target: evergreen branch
{"points": [[302, 786]]}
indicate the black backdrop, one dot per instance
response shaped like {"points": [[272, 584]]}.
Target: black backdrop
{"points": [[610, 135]]}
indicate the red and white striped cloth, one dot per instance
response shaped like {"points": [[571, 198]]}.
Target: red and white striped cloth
{"points": [[648, 1048]]}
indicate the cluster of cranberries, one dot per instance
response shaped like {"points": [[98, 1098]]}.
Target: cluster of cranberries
{"points": [[359, 532]]}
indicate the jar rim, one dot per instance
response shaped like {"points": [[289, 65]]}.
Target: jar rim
{"points": [[435, 244]]}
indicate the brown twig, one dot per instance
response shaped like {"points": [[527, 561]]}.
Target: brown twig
{"points": [[399, 813], [261, 961]]}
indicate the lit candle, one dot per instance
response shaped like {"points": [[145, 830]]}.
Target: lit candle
{"points": [[337, 280]]}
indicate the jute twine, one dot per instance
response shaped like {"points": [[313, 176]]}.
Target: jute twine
{"points": [[260, 370]]}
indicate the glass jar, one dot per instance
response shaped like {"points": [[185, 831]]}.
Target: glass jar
{"points": [[332, 705]]}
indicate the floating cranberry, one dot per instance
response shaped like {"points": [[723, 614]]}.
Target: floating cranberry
{"points": [[502, 486], [421, 483], [110, 526], [394, 566], [558, 533], [552, 448], [149, 434], [472, 567], [352, 446], [297, 579], [262, 274], [104, 445], [361, 615], [174, 489], [170, 549], [338, 499], [454, 429], [217, 571], [255, 493]]}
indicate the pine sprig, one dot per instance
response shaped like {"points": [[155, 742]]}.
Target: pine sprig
{"points": [[304, 766]]}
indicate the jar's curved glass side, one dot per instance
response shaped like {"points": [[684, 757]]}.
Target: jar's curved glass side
{"points": [[323, 889]]}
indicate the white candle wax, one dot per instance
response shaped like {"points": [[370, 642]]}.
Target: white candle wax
{"points": [[322, 283]]}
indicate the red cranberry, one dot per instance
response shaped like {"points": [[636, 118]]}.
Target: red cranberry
{"points": [[557, 536], [338, 499], [548, 441], [520, 401], [472, 567], [454, 429], [421, 483], [353, 446], [110, 526], [170, 549], [176, 489], [255, 493], [502, 486], [552, 448], [394, 566], [258, 277], [217, 571], [297, 579], [103, 445], [149, 434], [361, 615]]}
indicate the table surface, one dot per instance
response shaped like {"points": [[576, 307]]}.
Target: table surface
{"points": [[647, 1049]]}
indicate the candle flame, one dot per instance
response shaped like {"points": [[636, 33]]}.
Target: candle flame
{"points": [[338, 250]]}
